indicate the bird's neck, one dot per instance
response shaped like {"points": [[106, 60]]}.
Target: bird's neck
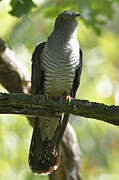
{"points": [[61, 38], [60, 46]]}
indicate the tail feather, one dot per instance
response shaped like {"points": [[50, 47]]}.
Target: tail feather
{"points": [[45, 162], [44, 155]]}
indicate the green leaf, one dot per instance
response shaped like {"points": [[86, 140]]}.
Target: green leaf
{"points": [[21, 7]]}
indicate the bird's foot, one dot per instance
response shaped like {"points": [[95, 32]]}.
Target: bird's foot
{"points": [[47, 96], [68, 99]]}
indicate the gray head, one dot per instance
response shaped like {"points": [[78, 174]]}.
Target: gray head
{"points": [[66, 21]]}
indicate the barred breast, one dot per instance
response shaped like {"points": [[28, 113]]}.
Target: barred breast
{"points": [[59, 67]]}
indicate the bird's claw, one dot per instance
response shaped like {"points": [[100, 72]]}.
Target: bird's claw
{"points": [[68, 99], [47, 96]]}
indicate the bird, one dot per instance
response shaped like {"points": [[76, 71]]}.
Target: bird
{"points": [[56, 71]]}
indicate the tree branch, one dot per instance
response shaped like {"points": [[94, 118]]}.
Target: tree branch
{"points": [[37, 105], [13, 75]]}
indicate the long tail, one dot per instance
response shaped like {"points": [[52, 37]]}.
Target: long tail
{"points": [[44, 156]]}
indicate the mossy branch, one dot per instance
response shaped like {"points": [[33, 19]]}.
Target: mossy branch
{"points": [[38, 105]]}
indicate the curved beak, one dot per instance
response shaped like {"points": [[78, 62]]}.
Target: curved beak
{"points": [[77, 15]]}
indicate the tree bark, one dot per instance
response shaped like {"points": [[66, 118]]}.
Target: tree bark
{"points": [[38, 105], [13, 75], [16, 79]]}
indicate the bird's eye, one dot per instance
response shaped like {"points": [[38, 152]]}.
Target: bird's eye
{"points": [[61, 19], [71, 18]]}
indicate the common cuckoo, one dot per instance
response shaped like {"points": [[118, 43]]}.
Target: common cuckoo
{"points": [[56, 70]]}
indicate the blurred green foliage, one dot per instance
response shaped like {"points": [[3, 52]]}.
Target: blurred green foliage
{"points": [[21, 7], [94, 12], [99, 142]]}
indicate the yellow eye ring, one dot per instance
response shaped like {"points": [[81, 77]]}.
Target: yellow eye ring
{"points": [[61, 19]]}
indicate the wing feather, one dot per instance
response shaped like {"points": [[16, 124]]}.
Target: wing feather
{"points": [[37, 78], [76, 81]]}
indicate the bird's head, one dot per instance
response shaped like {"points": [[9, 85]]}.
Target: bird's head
{"points": [[66, 21]]}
